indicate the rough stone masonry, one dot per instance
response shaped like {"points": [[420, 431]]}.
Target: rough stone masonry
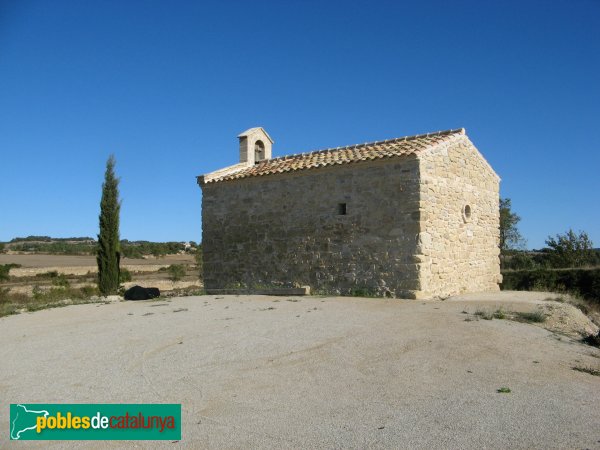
{"points": [[412, 217]]}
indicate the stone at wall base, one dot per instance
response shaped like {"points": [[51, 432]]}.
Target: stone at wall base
{"points": [[304, 290]]}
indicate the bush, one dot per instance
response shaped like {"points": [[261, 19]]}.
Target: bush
{"points": [[363, 292], [49, 274], [593, 339], [571, 249], [518, 261], [5, 270], [124, 276], [580, 282], [61, 281], [89, 291], [176, 272]]}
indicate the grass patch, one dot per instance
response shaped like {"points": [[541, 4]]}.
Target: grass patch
{"points": [[190, 291], [484, 314], [589, 370], [527, 317], [530, 317], [124, 275], [14, 303], [363, 292], [503, 390], [499, 314]]}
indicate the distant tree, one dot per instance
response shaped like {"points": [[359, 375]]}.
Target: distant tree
{"points": [[108, 253], [571, 249], [510, 236], [1, 247]]}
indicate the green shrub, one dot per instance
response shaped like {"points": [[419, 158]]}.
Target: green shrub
{"points": [[593, 339], [518, 261], [580, 282], [5, 270], [49, 274], [499, 314], [4, 294], [176, 272], [60, 281], [55, 294], [124, 276], [363, 292], [89, 291]]}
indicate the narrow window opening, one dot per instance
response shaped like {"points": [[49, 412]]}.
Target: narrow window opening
{"points": [[259, 151], [467, 213], [341, 209]]}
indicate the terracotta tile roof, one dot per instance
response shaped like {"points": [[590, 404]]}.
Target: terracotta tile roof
{"points": [[390, 148]]}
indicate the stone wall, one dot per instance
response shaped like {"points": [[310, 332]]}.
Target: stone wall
{"points": [[286, 230], [458, 250]]}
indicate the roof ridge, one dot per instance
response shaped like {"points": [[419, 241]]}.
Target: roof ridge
{"points": [[385, 141], [369, 151]]}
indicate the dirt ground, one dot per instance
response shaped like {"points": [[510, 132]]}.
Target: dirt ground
{"points": [[313, 372]]}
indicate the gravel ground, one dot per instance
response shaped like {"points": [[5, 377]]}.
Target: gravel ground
{"points": [[310, 372]]}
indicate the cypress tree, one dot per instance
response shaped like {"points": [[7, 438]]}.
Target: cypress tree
{"points": [[108, 253]]}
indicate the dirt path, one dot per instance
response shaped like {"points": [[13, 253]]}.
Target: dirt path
{"points": [[265, 372]]}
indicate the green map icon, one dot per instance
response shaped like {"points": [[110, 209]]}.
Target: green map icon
{"points": [[23, 420]]}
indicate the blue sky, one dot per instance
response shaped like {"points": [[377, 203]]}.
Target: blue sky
{"points": [[167, 86]]}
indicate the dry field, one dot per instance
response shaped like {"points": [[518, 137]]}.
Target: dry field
{"points": [[81, 271], [59, 262]]}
